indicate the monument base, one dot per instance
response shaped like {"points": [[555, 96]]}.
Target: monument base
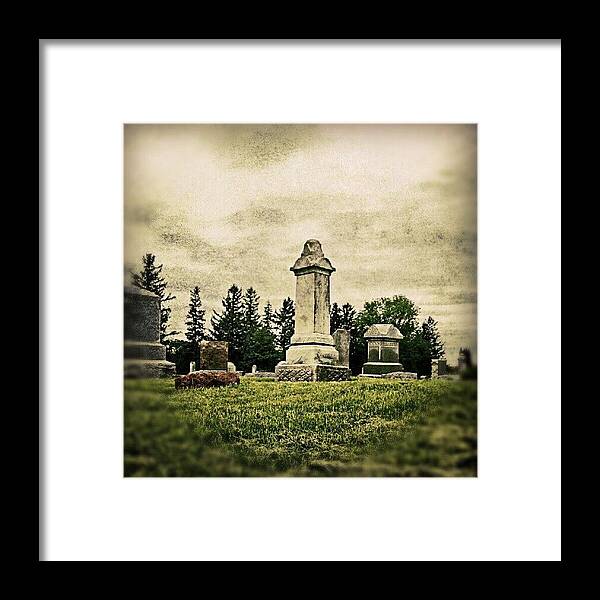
{"points": [[136, 368], [311, 354], [402, 375], [379, 368], [300, 372]]}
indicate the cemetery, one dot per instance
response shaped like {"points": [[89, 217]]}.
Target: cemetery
{"points": [[311, 415]]}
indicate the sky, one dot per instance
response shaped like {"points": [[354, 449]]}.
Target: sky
{"points": [[394, 207]]}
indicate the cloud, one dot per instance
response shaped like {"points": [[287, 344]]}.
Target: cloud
{"points": [[394, 207], [257, 146]]}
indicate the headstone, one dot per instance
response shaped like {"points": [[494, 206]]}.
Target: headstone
{"points": [[254, 368], [231, 367], [144, 355], [438, 367], [213, 355], [311, 345], [341, 339], [383, 354]]}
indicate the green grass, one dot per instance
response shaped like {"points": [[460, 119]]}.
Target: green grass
{"points": [[266, 428]]}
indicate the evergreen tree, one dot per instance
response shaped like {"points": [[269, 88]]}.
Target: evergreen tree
{"points": [[250, 329], [431, 335], [250, 310], [227, 326], [268, 319], [335, 318], [195, 323], [347, 317], [150, 278], [284, 319]]}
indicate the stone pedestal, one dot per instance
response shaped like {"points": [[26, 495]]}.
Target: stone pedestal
{"points": [[311, 345], [144, 355], [319, 372]]}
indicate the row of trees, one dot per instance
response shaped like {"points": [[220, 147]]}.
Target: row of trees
{"points": [[254, 338], [262, 339], [421, 341]]}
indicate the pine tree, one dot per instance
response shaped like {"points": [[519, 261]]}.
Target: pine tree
{"points": [[250, 329], [268, 319], [250, 309], [284, 319], [431, 335], [335, 318], [347, 317], [149, 278], [195, 318], [227, 326]]}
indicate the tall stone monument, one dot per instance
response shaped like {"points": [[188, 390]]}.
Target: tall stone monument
{"points": [[312, 355], [144, 355]]}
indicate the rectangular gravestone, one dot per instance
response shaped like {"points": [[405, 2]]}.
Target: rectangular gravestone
{"points": [[341, 339], [213, 355], [438, 368]]}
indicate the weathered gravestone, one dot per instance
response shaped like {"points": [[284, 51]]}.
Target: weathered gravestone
{"points": [[341, 339], [213, 355], [438, 368], [144, 355], [312, 355], [383, 354]]}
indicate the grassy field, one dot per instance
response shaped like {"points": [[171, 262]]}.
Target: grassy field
{"points": [[264, 428]]}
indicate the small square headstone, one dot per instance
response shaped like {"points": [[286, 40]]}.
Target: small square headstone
{"points": [[213, 355]]}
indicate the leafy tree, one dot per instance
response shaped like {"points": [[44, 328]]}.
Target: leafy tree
{"points": [[397, 310], [260, 349], [419, 345], [195, 323], [284, 319], [227, 325], [150, 278]]}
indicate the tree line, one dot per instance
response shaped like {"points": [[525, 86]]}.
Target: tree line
{"points": [[262, 339]]}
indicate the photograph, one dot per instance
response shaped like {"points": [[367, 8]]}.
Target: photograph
{"points": [[300, 300], [295, 300]]}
